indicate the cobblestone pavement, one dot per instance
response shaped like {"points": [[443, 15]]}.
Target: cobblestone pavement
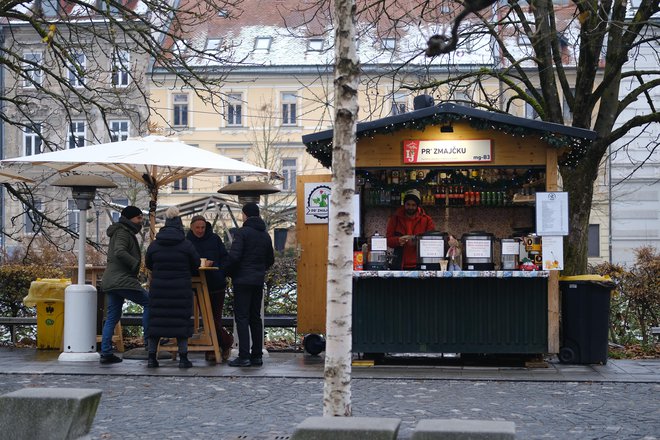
{"points": [[250, 408]]}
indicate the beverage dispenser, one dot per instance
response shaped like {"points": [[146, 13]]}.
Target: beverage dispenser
{"points": [[478, 251], [510, 253], [377, 255], [432, 247]]}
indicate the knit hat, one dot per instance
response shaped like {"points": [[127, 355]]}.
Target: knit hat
{"points": [[172, 217], [197, 218], [412, 194], [251, 209], [131, 211]]}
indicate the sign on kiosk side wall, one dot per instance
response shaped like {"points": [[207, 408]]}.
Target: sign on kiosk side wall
{"points": [[317, 202], [317, 205], [447, 151]]}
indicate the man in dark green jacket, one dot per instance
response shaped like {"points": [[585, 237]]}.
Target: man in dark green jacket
{"points": [[120, 279]]}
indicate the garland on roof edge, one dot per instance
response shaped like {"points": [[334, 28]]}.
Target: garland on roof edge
{"points": [[322, 150]]}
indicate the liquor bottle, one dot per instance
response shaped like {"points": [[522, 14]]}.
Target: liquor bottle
{"points": [[466, 195]]}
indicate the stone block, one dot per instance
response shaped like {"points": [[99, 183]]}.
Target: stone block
{"points": [[456, 429], [48, 413], [347, 428]]}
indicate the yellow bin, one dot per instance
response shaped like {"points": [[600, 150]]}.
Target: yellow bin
{"points": [[47, 294]]}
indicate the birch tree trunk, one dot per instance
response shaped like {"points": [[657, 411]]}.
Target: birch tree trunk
{"points": [[337, 384]]}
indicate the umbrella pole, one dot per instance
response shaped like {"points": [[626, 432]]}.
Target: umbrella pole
{"points": [[152, 215]]}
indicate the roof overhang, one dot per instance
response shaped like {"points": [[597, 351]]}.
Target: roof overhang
{"points": [[319, 144]]}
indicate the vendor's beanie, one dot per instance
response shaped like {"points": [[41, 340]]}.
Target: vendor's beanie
{"points": [[413, 195]]}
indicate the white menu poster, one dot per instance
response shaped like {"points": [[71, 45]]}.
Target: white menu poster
{"points": [[551, 213]]}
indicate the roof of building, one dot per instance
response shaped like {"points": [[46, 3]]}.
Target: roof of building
{"points": [[319, 144]]}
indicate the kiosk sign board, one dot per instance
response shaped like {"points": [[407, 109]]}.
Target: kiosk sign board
{"points": [[447, 151]]}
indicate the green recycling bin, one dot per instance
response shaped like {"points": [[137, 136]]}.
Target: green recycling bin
{"points": [[585, 319]]}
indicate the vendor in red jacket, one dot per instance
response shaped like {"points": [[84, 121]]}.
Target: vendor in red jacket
{"points": [[403, 226]]}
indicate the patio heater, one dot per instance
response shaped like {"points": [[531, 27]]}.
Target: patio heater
{"points": [[249, 191], [80, 299]]}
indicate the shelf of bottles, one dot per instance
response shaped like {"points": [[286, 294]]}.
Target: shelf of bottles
{"points": [[471, 187]]}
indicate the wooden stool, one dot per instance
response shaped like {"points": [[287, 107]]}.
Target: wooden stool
{"points": [[204, 337]]}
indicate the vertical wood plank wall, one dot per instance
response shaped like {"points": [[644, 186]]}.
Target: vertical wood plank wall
{"points": [[552, 177], [312, 264]]}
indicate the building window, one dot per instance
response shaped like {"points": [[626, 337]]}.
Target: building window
{"points": [[234, 179], [462, 97], [213, 45], [121, 67], [593, 241], [566, 110], [262, 44], [530, 113], [524, 40], [121, 203], [76, 135], [119, 130], [32, 140], [389, 43], [72, 215], [289, 174], [32, 68], [76, 69], [31, 219], [180, 185], [399, 103], [180, 110], [314, 45], [49, 8], [234, 109], [289, 108]]}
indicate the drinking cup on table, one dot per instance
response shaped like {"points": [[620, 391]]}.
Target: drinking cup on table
{"points": [[203, 262], [443, 264]]}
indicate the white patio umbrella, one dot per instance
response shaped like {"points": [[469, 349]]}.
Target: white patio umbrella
{"points": [[9, 177], [153, 160]]}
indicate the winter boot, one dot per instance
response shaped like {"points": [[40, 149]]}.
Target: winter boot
{"points": [[183, 361], [152, 361]]}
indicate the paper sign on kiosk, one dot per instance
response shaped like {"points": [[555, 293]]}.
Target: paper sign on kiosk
{"points": [[378, 244], [551, 213], [553, 252]]}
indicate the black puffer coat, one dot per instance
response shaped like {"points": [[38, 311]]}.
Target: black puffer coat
{"points": [[172, 259], [211, 247], [251, 253]]}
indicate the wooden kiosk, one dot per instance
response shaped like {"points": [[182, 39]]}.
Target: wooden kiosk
{"points": [[476, 171]]}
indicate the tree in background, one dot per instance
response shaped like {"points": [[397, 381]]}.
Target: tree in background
{"points": [[575, 65]]}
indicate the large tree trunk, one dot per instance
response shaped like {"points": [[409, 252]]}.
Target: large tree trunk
{"points": [[337, 385], [578, 181]]}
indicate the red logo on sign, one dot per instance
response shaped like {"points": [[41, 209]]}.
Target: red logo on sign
{"points": [[410, 150]]}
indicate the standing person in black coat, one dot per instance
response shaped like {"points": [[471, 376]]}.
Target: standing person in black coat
{"points": [[251, 254], [210, 246], [172, 260]]}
